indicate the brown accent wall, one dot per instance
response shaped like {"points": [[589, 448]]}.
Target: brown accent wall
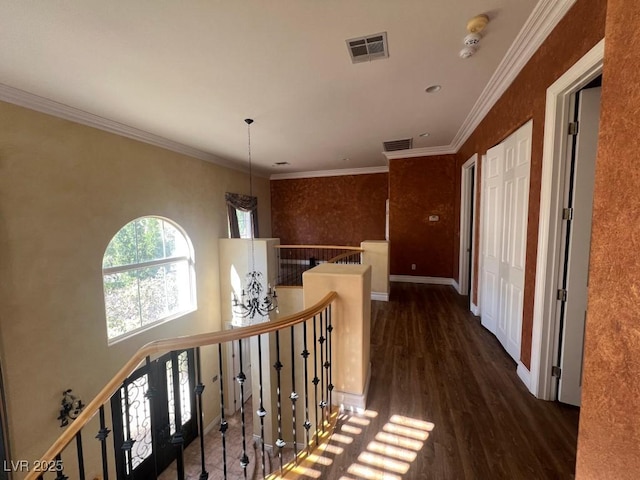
{"points": [[609, 436], [342, 210], [525, 99], [418, 188]]}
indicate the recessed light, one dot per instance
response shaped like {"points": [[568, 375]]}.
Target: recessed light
{"points": [[433, 88], [346, 159], [425, 134], [280, 164]]}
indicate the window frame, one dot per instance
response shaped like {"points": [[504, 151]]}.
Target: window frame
{"points": [[188, 259]]}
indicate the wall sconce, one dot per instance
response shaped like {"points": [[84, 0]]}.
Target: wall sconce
{"points": [[70, 408]]}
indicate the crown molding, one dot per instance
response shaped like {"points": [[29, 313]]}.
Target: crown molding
{"points": [[50, 107], [330, 173], [543, 19], [420, 152]]}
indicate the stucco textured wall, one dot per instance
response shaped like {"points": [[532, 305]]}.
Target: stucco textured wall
{"points": [[580, 29], [609, 436], [342, 210], [420, 187]]}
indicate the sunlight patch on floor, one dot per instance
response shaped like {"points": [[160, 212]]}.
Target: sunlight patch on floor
{"points": [[388, 456]]}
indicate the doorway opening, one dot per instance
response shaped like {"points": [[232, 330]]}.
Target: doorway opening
{"points": [[467, 231], [575, 243], [549, 295]]}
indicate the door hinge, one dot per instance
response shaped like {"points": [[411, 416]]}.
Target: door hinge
{"points": [[556, 372], [567, 213], [573, 128], [562, 295]]}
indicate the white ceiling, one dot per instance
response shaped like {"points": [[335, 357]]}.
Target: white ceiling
{"points": [[190, 71]]}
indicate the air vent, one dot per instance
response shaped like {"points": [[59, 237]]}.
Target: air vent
{"points": [[371, 47], [395, 145]]}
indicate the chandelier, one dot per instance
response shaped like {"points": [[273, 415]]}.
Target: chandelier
{"points": [[254, 301]]}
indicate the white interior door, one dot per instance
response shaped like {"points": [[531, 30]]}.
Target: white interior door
{"points": [[514, 238], [492, 179], [578, 230], [505, 188]]}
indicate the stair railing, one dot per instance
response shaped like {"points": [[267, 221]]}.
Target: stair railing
{"points": [[311, 354], [294, 260]]}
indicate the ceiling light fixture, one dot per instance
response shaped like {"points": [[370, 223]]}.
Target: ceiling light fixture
{"points": [[433, 88], [425, 134], [252, 301]]}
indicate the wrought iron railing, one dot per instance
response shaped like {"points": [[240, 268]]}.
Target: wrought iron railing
{"points": [[294, 260], [305, 339]]}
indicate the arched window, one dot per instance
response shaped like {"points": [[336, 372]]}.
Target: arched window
{"points": [[148, 275]]}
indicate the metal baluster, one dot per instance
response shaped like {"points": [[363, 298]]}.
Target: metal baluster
{"points": [[321, 341], [102, 435], [204, 475], [127, 445], [294, 394], [329, 356], [316, 380], [261, 411], [244, 460], [178, 439], [305, 355], [327, 367], [278, 366], [223, 423], [152, 394], [80, 455], [60, 469]]}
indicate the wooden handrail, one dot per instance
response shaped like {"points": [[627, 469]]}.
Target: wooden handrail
{"points": [[324, 247], [168, 345]]}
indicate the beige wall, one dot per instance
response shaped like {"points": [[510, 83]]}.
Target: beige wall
{"points": [[65, 190]]}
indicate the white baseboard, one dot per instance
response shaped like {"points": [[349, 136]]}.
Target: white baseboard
{"points": [[456, 285], [525, 375], [382, 297], [353, 401], [214, 424], [474, 309], [417, 279]]}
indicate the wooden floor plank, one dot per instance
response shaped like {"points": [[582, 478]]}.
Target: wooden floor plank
{"points": [[445, 403]]}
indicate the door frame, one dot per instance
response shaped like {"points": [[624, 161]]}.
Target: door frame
{"points": [[538, 378], [467, 228]]}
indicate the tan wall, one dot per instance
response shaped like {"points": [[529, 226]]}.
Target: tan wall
{"points": [[580, 29], [609, 436], [376, 254], [65, 190], [351, 320]]}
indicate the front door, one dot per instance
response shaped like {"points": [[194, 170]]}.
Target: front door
{"points": [[156, 416]]}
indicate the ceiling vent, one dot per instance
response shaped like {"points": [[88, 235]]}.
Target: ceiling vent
{"points": [[371, 47], [395, 145]]}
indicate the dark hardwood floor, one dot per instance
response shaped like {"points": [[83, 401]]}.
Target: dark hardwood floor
{"points": [[445, 402]]}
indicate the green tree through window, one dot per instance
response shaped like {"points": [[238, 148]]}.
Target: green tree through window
{"points": [[148, 276]]}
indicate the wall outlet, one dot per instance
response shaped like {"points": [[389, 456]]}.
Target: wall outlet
{"points": [[434, 218], [413, 266]]}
